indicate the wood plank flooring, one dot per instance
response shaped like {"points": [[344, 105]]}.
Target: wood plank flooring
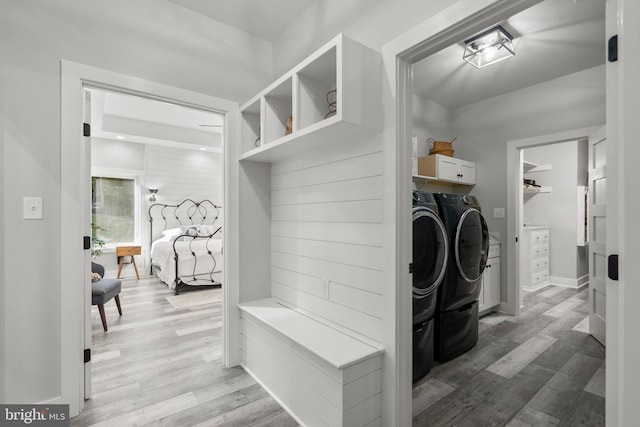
{"points": [[160, 366], [541, 369]]}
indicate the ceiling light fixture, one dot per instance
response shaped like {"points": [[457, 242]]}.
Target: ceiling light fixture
{"points": [[119, 137], [489, 47]]}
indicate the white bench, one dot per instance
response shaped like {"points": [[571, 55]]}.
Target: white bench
{"points": [[319, 374]]}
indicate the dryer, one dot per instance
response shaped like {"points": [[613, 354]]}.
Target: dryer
{"points": [[456, 328], [430, 256]]}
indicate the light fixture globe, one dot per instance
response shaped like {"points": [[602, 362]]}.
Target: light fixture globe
{"points": [[489, 47]]}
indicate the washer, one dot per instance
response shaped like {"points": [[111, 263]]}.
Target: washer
{"points": [[456, 329], [430, 256]]}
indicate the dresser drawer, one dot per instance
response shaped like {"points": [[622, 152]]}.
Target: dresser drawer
{"points": [[540, 265], [539, 236], [538, 278], [540, 252]]}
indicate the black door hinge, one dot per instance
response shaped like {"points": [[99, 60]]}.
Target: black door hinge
{"points": [[410, 268], [86, 129], [612, 50], [86, 242], [87, 355], [612, 267]]}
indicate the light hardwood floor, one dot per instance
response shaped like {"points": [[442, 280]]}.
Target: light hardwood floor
{"points": [[541, 369], [160, 366]]}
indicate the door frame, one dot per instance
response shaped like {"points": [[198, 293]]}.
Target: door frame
{"points": [[462, 19], [514, 180], [74, 78]]}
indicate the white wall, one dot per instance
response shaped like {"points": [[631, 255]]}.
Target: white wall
{"points": [[3, 227], [117, 155], [180, 174], [483, 129], [155, 40], [326, 213], [371, 22], [177, 174], [430, 120]]}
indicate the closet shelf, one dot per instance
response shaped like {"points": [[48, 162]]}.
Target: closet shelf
{"points": [[534, 167], [534, 190]]}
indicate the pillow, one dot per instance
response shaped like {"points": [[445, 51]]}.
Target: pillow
{"points": [[205, 230], [189, 230], [172, 232]]}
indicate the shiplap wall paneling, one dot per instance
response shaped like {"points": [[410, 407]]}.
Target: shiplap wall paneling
{"points": [[312, 390], [179, 174], [254, 255], [326, 237]]}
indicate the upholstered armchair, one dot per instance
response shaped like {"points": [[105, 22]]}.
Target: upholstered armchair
{"points": [[103, 290]]}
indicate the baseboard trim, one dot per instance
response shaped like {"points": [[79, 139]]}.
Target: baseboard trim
{"points": [[536, 287], [570, 282], [55, 401]]}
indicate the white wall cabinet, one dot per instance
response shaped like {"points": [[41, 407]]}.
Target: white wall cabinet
{"points": [[490, 291], [534, 269], [333, 94], [437, 167]]}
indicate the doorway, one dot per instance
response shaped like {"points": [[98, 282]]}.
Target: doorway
{"points": [[143, 153], [552, 216], [492, 176], [75, 77]]}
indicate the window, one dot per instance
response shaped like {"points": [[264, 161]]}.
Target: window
{"points": [[114, 209]]}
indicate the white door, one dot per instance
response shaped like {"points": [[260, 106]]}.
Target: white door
{"points": [[86, 226], [598, 238]]}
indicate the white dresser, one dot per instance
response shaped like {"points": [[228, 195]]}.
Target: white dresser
{"points": [[534, 247]]}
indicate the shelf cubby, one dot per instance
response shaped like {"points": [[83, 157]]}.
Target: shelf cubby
{"points": [[278, 107], [251, 137], [316, 81], [353, 70]]}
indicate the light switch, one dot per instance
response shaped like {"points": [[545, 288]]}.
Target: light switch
{"points": [[498, 212], [32, 208]]}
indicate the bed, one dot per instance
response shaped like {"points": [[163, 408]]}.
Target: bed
{"points": [[186, 244]]}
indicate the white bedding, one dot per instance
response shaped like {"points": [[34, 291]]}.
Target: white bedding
{"points": [[162, 257]]}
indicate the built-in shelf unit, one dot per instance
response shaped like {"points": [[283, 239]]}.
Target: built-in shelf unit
{"points": [[530, 167], [330, 97]]}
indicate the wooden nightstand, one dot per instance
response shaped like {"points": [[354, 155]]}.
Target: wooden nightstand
{"points": [[123, 251]]}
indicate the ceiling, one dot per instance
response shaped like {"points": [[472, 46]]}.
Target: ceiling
{"points": [[261, 18], [552, 39], [134, 119]]}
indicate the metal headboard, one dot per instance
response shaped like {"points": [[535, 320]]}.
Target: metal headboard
{"points": [[187, 212]]}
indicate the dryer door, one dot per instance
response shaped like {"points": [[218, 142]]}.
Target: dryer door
{"points": [[471, 245], [430, 251]]}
